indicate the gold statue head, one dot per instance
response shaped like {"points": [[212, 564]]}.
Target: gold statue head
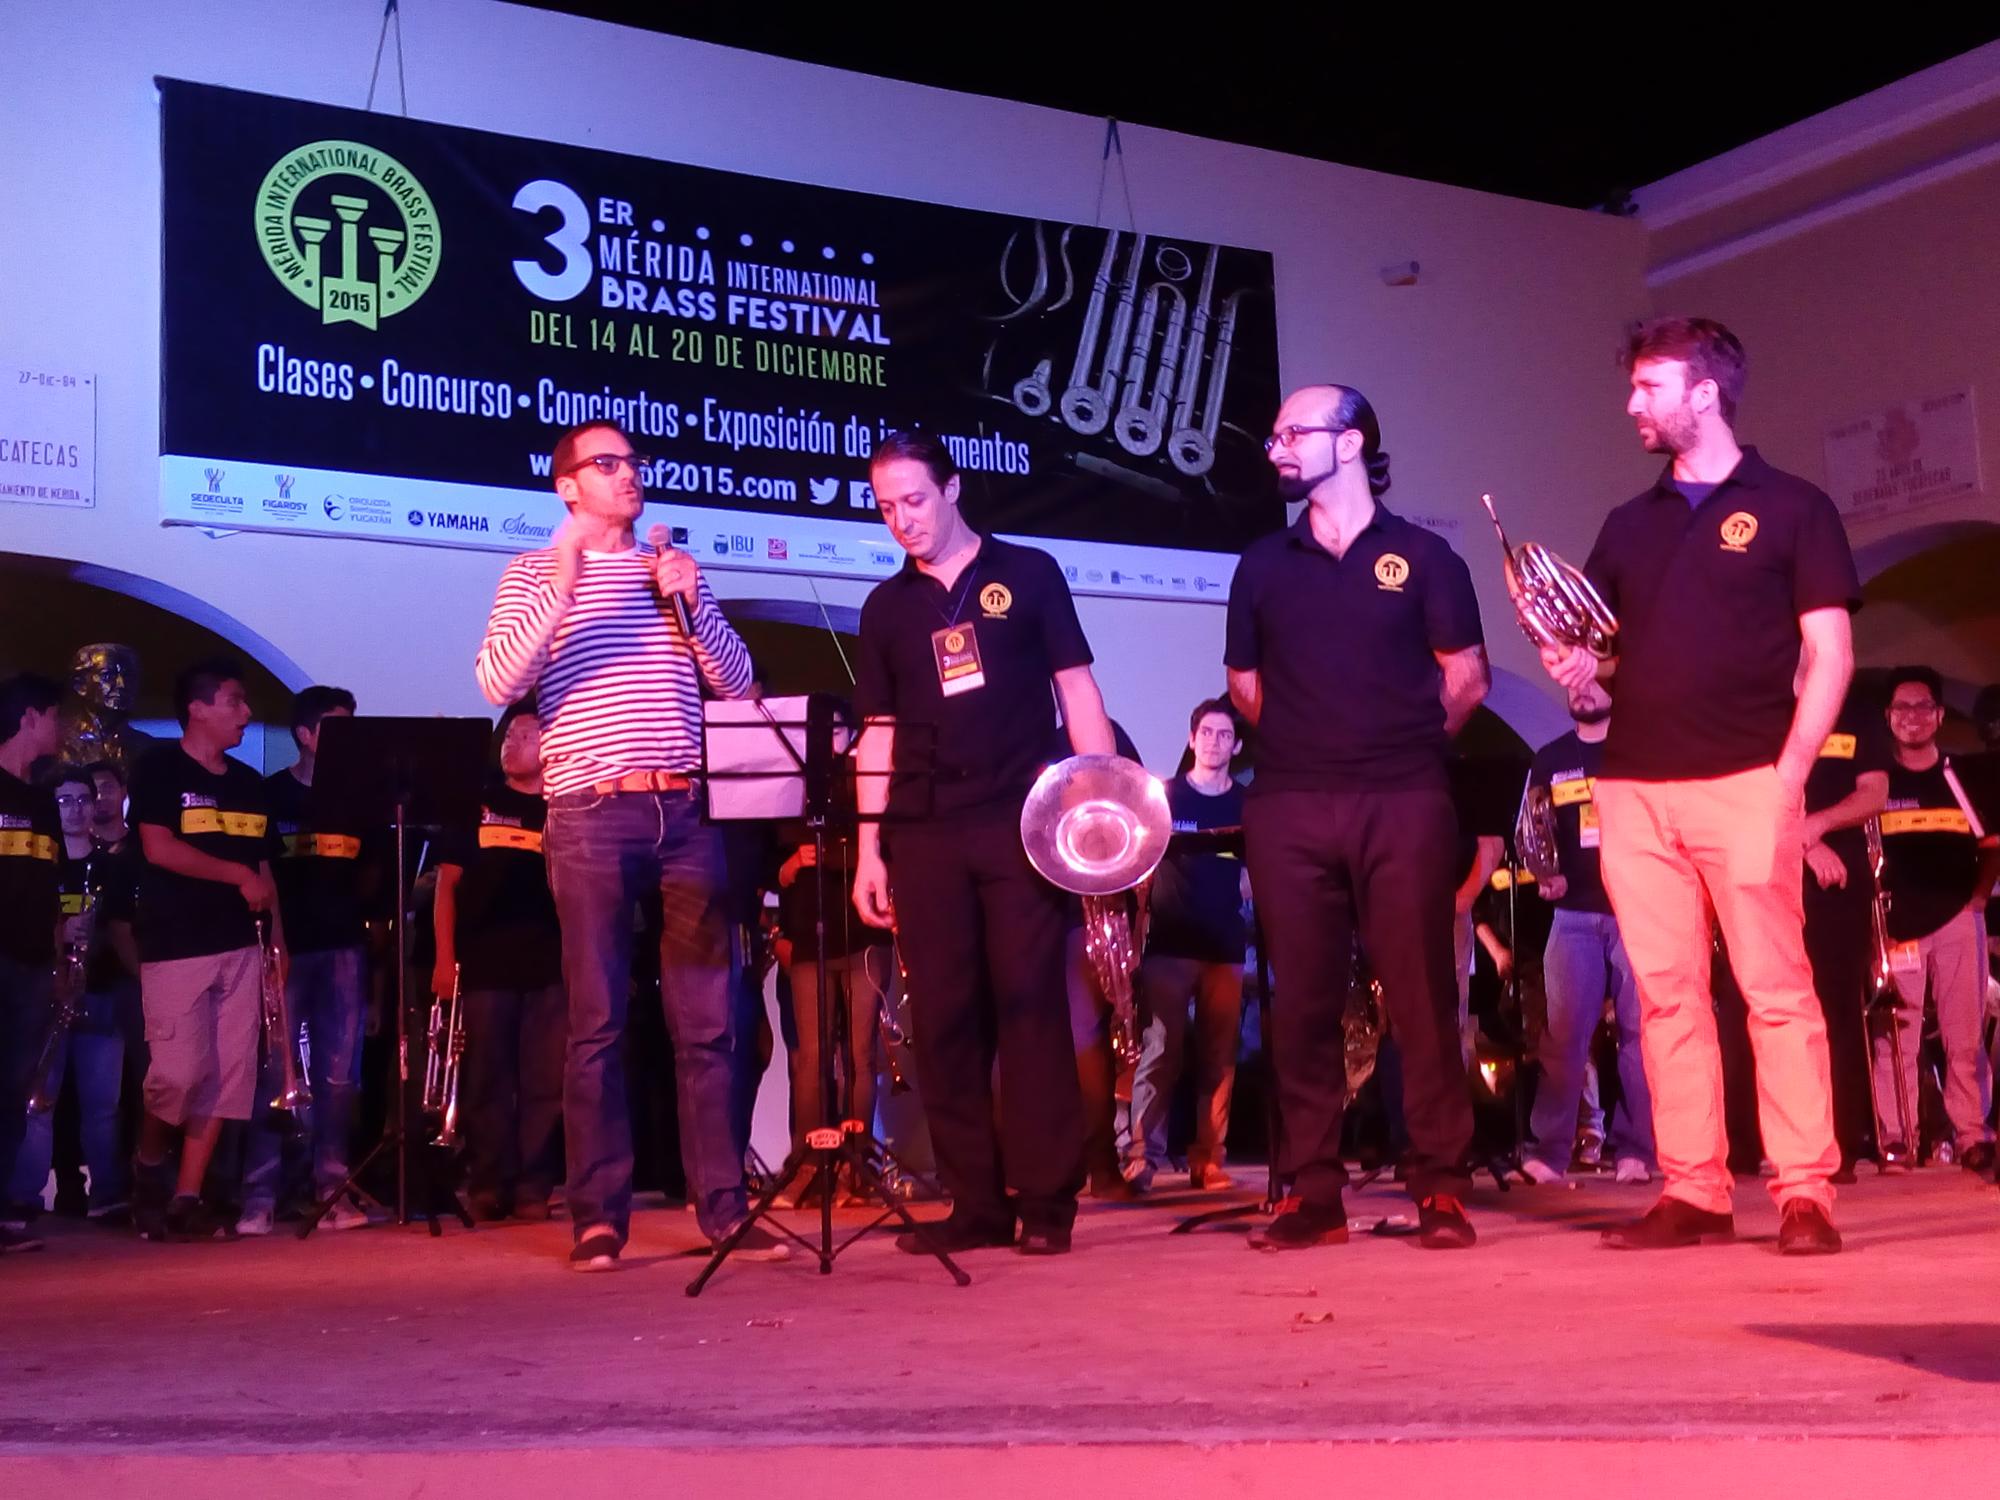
{"points": [[105, 675]]}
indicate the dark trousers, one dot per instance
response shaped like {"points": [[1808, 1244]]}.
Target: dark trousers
{"points": [[1325, 865], [605, 853], [982, 938], [512, 1092], [1838, 938]]}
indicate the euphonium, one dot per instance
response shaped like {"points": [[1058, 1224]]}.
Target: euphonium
{"points": [[444, 1061], [1557, 606], [1097, 826], [280, 1032]]}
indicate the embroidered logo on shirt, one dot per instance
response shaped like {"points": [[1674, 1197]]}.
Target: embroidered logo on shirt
{"points": [[996, 599], [1738, 531], [1391, 572]]}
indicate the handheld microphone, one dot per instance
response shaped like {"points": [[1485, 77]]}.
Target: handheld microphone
{"points": [[657, 539]]}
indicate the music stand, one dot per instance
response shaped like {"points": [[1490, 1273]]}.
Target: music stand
{"points": [[406, 773], [776, 767]]}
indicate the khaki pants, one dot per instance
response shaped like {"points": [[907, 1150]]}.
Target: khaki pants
{"points": [[1678, 855], [1953, 973]]}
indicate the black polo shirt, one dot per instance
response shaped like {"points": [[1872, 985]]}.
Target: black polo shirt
{"points": [[318, 871], [1930, 854], [991, 740], [1345, 650], [31, 844], [1708, 599], [227, 817]]}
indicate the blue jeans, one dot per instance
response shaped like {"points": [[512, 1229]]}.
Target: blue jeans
{"points": [[95, 1052], [1583, 965], [606, 853], [325, 992]]}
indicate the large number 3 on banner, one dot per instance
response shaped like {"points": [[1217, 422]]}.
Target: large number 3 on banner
{"points": [[572, 239]]}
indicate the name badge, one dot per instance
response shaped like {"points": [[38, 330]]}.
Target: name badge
{"points": [[1588, 834], [1907, 960], [959, 668]]}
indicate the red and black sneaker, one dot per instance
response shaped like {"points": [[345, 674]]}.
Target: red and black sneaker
{"points": [[1442, 1224], [1299, 1225]]}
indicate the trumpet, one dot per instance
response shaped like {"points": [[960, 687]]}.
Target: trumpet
{"points": [[1097, 826], [1557, 606], [443, 1061], [283, 1043]]}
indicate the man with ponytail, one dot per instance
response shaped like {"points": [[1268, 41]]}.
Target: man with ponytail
{"points": [[1354, 648]]}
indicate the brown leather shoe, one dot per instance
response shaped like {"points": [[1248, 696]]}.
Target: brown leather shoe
{"points": [[1672, 1224], [1804, 1229]]}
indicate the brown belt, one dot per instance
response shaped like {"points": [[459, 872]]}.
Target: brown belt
{"points": [[644, 781]]}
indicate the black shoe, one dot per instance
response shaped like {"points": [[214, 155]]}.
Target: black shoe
{"points": [[1299, 1225], [1672, 1224], [188, 1218], [1896, 1157], [596, 1251], [1844, 1174], [954, 1235], [1442, 1224], [1804, 1229], [1049, 1240], [1978, 1159]]}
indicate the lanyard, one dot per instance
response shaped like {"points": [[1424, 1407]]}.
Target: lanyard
{"points": [[964, 593]]}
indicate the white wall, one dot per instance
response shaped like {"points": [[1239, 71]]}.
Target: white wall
{"points": [[1493, 372]]}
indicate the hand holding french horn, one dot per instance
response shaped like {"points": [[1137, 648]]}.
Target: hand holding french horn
{"points": [[1559, 609]]}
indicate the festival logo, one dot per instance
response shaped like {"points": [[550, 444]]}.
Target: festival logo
{"points": [[1391, 572], [1738, 531], [996, 599], [348, 231]]}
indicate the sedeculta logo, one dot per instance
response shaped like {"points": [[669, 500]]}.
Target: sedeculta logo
{"points": [[348, 231]]}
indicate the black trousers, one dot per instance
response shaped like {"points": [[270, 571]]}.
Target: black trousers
{"points": [[1839, 935], [511, 1092], [1324, 865], [982, 938]]}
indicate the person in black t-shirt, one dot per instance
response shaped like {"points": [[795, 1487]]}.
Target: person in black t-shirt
{"points": [[319, 871], [1355, 653], [30, 841], [205, 828], [1195, 943], [1584, 962], [500, 946], [1940, 860], [966, 651], [1845, 788], [93, 1054]]}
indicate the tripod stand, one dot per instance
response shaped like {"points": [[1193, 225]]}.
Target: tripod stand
{"points": [[399, 769], [835, 1141]]}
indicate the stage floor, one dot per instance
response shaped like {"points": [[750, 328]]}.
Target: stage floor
{"points": [[384, 1362]]}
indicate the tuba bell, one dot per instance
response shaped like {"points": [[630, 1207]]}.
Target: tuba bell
{"points": [[1557, 606], [1097, 826]]}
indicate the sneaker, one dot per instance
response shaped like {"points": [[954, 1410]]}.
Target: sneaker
{"points": [[1672, 1224], [1208, 1177], [187, 1218], [17, 1241], [758, 1243], [1632, 1170], [1442, 1224], [801, 1192], [596, 1251], [344, 1215], [1537, 1170], [1589, 1148], [1805, 1229], [1896, 1158], [254, 1223], [1299, 1225], [1139, 1174]]}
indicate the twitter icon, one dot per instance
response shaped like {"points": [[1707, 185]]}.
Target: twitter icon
{"points": [[823, 490]]}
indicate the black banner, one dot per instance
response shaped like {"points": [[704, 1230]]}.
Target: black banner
{"points": [[374, 326]]}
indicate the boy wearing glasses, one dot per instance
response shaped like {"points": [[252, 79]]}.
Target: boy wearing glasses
{"points": [[616, 639], [1939, 864]]}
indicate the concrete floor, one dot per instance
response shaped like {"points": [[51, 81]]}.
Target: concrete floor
{"points": [[382, 1362]]}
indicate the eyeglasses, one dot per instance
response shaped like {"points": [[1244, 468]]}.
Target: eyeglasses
{"points": [[610, 463], [1289, 436], [1914, 710]]}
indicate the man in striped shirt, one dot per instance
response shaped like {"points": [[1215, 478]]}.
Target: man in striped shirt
{"points": [[615, 639]]}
